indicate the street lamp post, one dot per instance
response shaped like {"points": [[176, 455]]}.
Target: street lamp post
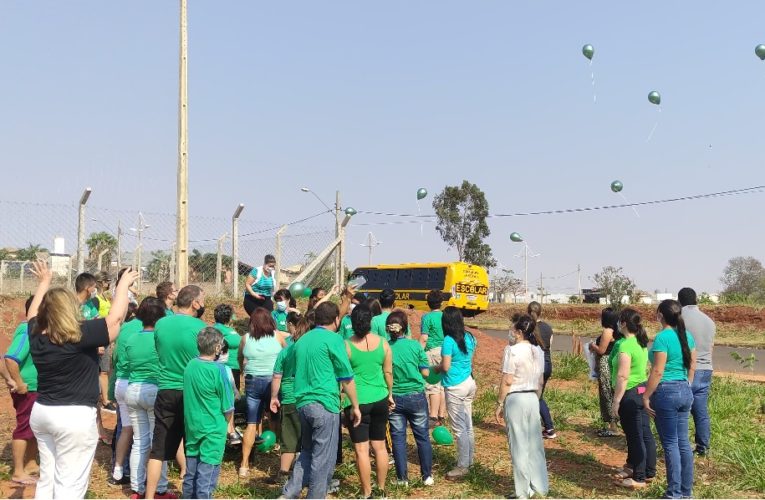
{"points": [[142, 226], [235, 248], [517, 238], [81, 232]]}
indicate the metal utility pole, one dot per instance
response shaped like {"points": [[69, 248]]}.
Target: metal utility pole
{"points": [[579, 281], [278, 257], [371, 243], [235, 249], [142, 226], [182, 229], [219, 264], [81, 232], [338, 252]]}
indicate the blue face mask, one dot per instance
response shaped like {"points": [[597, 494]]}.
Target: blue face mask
{"points": [[281, 306]]}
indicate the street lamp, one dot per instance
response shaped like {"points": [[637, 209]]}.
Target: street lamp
{"points": [[307, 190], [142, 226], [235, 247], [81, 232], [517, 238]]}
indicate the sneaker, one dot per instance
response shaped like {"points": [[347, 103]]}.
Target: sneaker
{"points": [[234, 439], [403, 483], [166, 494], [334, 486], [258, 440], [549, 434], [700, 452], [456, 473], [116, 483], [428, 481], [391, 460], [111, 407]]}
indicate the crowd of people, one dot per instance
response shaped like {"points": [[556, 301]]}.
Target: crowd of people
{"points": [[174, 382]]}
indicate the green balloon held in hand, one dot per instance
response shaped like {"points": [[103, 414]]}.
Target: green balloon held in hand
{"points": [[617, 186], [269, 440], [297, 289], [422, 193], [654, 97], [441, 435], [588, 51], [760, 51]]}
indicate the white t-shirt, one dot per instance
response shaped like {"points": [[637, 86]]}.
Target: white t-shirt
{"points": [[526, 363]]}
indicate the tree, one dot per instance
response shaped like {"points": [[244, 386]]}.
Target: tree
{"points": [[159, 266], [507, 283], [744, 277], [30, 252], [461, 213], [614, 285], [204, 265], [100, 242]]}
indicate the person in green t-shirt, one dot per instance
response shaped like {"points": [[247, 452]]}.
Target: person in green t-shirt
{"points": [[629, 362], [207, 400], [410, 365], [223, 314], [431, 339], [370, 357], [85, 289], [321, 362], [282, 309], [176, 340], [387, 300], [346, 328], [21, 369], [668, 396]]}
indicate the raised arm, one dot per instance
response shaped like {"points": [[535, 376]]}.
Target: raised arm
{"points": [[345, 300], [44, 277], [120, 303]]}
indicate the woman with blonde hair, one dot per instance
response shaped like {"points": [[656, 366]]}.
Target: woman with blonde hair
{"points": [[65, 351]]}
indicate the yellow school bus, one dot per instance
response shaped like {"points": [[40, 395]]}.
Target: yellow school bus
{"points": [[465, 286]]}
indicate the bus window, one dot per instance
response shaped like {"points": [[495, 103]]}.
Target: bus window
{"points": [[419, 278], [436, 278], [403, 280]]}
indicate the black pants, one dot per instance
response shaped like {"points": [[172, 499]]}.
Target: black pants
{"points": [[641, 447], [251, 303]]}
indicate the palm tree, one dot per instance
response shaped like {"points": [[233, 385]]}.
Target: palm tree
{"points": [[99, 242], [30, 252]]}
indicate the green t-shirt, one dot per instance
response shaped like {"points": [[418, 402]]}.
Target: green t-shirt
{"points": [[280, 318], [232, 338], [431, 326], [142, 358], [368, 373], [88, 310], [207, 397], [169, 312], [378, 326], [176, 338], [408, 359], [18, 351], [119, 359], [321, 362], [285, 367], [667, 341], [346, 328], [638, 361]]}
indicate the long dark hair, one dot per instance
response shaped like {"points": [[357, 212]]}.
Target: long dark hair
{"points": [[672, 313], [261, 324], [361, 320], [534, 310], [397, 317], [454, 327], [526, 324], [633, 322], [314, 298], [609, 318]]}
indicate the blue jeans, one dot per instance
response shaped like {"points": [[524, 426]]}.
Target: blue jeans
{"points": [[316, 464], [700, 409], [258, 391], [200, 479], [140, 399], [672, 403], [544, 410], [412, 408]]}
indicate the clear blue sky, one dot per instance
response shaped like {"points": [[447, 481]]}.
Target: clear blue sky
{"points": [[378, 99]]}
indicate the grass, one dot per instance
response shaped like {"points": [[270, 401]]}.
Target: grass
{"points": [[569, 367]]}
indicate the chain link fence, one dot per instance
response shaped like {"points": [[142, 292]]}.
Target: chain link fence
{"points": [[113, 239]]}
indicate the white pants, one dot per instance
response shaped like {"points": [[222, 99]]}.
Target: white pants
{"points": [[67, 439], [459, 405]]}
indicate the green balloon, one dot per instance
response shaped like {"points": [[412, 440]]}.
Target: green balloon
{"points": [[588, 51], [307, 292], [297, 289], [516, 237], [617, 186], [433, 378], [441, 435], [269, 440], [760, 51], [422, 193], [350, 211], [654, 97]]}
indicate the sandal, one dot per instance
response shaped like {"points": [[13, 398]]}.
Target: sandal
{"points": [[631, 484], [606, 433], [623, 474], [244, 472]]}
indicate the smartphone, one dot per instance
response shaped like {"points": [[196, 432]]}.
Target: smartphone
{"points": [[357, 281]]}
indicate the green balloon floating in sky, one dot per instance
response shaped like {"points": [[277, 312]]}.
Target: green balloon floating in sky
{"points": [[422, 193], [760, 51], [516, 237], [617, 186], [654, 97], [588, 51]]}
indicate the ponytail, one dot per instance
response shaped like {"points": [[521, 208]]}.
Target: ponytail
{"points": [[672, 313], [535, 311], [633, 322], [526, 325]]}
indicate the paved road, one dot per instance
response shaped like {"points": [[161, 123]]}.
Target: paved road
{"points": [[721, 358]]}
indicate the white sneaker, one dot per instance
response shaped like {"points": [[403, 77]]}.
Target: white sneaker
{"points": [[334, 486], [428, 481], [402, 482]]}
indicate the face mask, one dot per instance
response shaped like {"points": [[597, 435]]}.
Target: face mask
{"points": [[223, 358], [281, 306], [200, 312], [94, 293]]}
